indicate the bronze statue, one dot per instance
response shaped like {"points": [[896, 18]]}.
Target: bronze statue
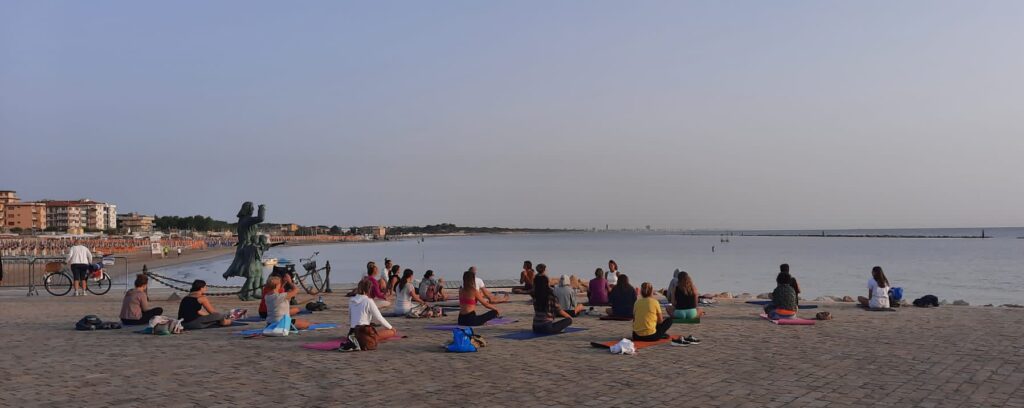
{"points": [[248, 262]]}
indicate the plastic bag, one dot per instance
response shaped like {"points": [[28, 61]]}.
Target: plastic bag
{"points": [[624, 346], [461, 341], [279, 328]]}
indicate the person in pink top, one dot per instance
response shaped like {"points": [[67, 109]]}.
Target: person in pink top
{"points": [[375, 293], [597, 294]]}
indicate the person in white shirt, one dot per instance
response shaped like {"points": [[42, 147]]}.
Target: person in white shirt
{"points": [[362, 311], [483, 290], [613, 273], [278, 303], [78, 260], [878, 290]]}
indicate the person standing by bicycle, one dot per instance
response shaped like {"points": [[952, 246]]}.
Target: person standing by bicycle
{"points": [[78, 260]]}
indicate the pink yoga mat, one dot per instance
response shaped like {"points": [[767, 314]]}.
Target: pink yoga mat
{"points": [[786, 322], [331, 345]]}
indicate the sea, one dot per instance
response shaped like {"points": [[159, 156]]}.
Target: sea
{"points": [[826, 263]]}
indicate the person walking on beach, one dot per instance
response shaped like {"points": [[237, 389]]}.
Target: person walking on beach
{"points": [[78, 260], [179, 252], [166, 251]]}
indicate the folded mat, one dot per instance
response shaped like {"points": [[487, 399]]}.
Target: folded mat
{"points": [[796, 321], [766, 302], [639, 344], [877, 309], [317, 326], [332, 345], [620, 318], [529, 334], [493, 322]]}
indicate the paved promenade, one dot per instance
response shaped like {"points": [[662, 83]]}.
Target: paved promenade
{"points": [[950, 356]]}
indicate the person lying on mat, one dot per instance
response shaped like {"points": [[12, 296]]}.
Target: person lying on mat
{"points": [[878, 290], [469, 297], [405, 294], [566, 296], [196, 311], [784, 303], [526, 278], [363, 311], [135, 309], [546, 308], [597, 295], [649, 324], [432, 289], [622, 298], [486, 293], [277, 302], [684, 300]]}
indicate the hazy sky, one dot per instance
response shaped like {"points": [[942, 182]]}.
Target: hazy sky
{"points": [[564, 114]]}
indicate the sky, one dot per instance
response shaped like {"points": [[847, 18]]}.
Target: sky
{"points": [[724, 114]]}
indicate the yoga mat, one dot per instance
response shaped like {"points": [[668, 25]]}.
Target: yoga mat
{"points": [[332, 345], [766, 302], [257, 318], [529, 334], [317, 326], [639, 344], [619, 318], [493, 322], [789, 322], [686, 321]]}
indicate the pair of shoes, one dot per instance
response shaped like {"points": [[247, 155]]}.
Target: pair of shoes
{"points": [[679, 342], [352, 345], [692, 340]]}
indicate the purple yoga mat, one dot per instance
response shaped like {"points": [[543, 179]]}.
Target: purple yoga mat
{"points": [[493, 322], [789, 322]]}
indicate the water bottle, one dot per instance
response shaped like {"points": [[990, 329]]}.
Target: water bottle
{"points": [[320, 299]]}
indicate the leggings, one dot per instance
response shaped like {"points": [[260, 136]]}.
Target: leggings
{"points": [[146, 315], [552, 327], [204, 322], [472, 319], [660, 332]]}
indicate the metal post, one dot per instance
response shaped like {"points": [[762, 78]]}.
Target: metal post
{"points": [[327, 277]]}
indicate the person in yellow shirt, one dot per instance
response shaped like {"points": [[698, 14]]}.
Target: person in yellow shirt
{"points": [[649, 324]]}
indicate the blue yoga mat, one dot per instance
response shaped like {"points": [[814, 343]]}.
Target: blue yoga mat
{"points": [[318, 326], [766, 302], [529, 334]]}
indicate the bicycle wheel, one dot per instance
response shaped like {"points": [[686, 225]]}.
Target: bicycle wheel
{"points": [[58, 284], [99, 286], [318, 280]]}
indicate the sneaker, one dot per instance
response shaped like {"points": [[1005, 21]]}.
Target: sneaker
{"points": [[348, 347], [692, 339], [355, 343], [75, 294], [679, 342]]}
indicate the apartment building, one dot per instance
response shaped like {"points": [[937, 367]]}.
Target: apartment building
{"points": [[135, 222], [25, 216]]}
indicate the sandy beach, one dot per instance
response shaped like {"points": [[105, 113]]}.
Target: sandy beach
{"points": [[947, 356]]}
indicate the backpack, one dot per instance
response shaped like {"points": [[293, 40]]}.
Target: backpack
{"points": [[461, 341], [89, 322], [823, 316], [316, 306], [927, 301], [366, 335], [424, 311]]}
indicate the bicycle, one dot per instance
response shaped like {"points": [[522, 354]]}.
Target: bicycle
{"points": [[58, 282]]}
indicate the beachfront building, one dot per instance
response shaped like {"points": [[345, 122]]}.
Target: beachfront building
{"points": [[25, 216], [6, 197], [78, 216], [136, 223], [377, 232]]}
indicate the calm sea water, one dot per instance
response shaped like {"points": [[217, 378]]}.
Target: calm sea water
{"points": [[977, 270]]}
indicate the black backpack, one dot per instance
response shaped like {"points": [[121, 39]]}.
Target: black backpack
{"points": [[316, 306], [90, 322], [927, 301]]}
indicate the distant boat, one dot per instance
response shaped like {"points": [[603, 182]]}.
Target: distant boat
{"points": [[270, 262]]}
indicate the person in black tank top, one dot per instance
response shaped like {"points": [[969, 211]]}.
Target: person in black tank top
{"points": [[196, 311]]}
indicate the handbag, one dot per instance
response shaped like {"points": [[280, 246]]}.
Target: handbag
{"points": [[366, 335]]}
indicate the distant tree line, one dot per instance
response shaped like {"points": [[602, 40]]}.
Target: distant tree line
{"points": [[447, 228], [194, 223]]}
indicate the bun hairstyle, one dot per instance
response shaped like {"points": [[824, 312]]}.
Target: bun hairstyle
{"points": [[141, 280], [197, 285], [646, 289]]}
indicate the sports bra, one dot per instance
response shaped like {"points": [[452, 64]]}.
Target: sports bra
{"points": [[466, 301]]}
